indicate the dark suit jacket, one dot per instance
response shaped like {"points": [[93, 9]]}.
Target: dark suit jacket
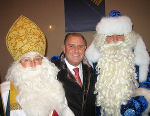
{"points": [[80, 100]]}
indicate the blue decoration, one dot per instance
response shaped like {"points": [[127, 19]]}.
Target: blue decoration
{"points": [[114, 13], [54, 58], [134, 107], [129, 112]]}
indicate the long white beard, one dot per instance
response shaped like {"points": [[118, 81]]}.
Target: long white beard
{"points": [[116, 79], [39, 90]]}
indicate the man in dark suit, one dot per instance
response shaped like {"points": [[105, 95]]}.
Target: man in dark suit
{"points": [[79, 82]]}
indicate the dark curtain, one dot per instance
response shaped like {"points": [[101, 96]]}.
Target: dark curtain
{"points": [[83, 15]]}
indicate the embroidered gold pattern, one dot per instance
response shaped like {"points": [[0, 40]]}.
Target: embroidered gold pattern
{"points": [[24, 36], [13, 93], [15, 106]]}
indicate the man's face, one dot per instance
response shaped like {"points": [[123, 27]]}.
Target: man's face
{"points": [[31, 61], [115, 38], [74, 50]]}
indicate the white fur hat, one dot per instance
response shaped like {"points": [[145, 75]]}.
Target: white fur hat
{"points": [[114, 25]]}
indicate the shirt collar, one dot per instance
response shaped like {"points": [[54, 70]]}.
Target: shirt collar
{"points": [[71, 66]]}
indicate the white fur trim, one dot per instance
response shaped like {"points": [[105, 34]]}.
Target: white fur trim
{"points": [[114, 25], [143, 92], [92, 53], [142, 59], [28, 54], [67, 112]]}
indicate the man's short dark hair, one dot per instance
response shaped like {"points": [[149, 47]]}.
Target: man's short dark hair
{"points": [[74, 34]]}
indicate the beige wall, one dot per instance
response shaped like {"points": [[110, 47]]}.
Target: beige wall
{"points": [[46, 12]]}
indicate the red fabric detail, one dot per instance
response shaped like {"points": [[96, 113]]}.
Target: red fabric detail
{"points": [[55, 113], [76, 70]]}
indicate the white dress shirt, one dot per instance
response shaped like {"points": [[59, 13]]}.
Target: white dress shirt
{"points": [[71, 67]]}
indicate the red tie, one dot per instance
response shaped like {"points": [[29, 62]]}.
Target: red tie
{"points": [[76, 70], [55, 113]]}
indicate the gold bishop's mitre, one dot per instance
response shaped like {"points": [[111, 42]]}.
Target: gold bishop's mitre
{"points": [[25, 36]]}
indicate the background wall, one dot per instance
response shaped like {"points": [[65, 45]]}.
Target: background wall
{"points": [[51, 12]]}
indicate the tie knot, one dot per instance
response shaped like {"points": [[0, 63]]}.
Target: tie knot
{"points": [[76, 70]]}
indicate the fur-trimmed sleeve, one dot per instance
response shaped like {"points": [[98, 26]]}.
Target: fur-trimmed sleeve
{"points": [[142, 59], [92, 54]]}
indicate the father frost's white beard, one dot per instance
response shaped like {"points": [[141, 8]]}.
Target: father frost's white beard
{"points": [[39, 91], [116, 79]]}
